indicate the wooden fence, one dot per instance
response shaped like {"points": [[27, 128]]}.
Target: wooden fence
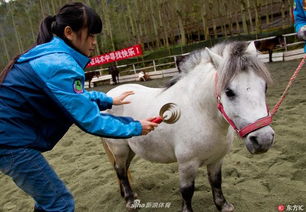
{"points": [[166, 67]]}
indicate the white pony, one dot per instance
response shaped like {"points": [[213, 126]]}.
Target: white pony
{"points": [[201, 136]]}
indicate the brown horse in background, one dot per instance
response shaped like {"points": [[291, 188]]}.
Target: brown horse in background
{"points": [[113, 70], [269, 44], [90, 75]]}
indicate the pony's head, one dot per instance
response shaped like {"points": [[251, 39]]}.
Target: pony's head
{"points": [[280, 40], [241, 88]]}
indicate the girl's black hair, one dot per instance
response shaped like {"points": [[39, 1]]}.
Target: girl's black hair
{"points": [[76, 15]]}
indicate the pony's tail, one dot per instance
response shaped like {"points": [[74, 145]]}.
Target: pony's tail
{"points": [[112, 160], [109, 153]]}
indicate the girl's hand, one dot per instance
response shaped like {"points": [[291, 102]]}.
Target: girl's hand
{"points": [[119, 100], [147, 125]]}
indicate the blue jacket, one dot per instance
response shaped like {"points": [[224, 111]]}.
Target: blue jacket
{"points": [[43, 95], [299, 12]]}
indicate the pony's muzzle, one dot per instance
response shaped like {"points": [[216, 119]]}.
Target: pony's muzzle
{"points": [[260, 140]]}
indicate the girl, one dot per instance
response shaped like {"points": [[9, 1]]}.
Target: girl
{"points": [[42, 95]]}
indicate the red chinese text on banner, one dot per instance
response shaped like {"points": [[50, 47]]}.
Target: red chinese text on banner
{"points": [[121, 54]]}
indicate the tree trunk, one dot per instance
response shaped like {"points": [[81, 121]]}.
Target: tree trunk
{"points": [[290, 10], [283, 15], [19, 43], [237, 17], [162, 25], [5, 47], [222, 17], [107, 23], [138, 23], [31, 25], [212, 18], [53, 7], [154, 24], [131, 20], [243, 16], [41, 9], [205, 21], [229, 17], [267, 14], [180, 23], [257, 7], [250, 15]]}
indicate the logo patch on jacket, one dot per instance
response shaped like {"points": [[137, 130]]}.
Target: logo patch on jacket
{"points": [[78, 86], [304, 4]]}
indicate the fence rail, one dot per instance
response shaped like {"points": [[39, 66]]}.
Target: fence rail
{"points": [[129, 72]]}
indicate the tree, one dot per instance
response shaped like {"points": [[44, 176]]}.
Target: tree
{"points": [[204, 15], [250, 14], [179, 13], [153, 23], [28, 6], [162, 25], [243, 16], [12, 12], [7, 55], [257, 6]]}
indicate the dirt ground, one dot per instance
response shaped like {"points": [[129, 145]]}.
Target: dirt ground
{"points": [[253, 183]]}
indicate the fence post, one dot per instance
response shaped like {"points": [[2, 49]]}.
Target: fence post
{"points": [[134, 69], [154, 65], [285, 42]]}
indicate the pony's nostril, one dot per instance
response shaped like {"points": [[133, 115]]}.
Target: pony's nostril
{"points": [[254, 140]]}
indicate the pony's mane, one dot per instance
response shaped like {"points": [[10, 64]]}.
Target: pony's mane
{"points": [[236, 60]]}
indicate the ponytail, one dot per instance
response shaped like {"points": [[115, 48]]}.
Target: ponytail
{"points": [[45, 30], [8, 67]]}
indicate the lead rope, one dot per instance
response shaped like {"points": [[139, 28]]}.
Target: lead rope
{"points": [[281, 99]]}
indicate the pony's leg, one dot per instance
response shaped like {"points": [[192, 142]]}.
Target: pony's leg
{"points": [[121, 168], [215, 180], [114, 79], [123, 155], [270, 55], [187, 172]]}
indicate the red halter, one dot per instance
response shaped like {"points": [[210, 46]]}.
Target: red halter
{"points": [[262, 122]]}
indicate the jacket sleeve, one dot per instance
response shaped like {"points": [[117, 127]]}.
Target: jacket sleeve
{"points": [[101, 99], [299, 15], [66, 87]]}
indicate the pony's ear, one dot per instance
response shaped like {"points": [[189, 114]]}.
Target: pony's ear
{"points": [[252, 48], [215, 58]]}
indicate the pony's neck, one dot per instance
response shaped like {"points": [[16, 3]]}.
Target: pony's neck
{"points": [[200, 86], [204, 92]]}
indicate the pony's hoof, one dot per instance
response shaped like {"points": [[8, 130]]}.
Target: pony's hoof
{"points": [[134, 204], [227, 207], [130, 206]]}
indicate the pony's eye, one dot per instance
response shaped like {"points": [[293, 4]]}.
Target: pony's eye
{"points": [[229, 93], [266, 88]]}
